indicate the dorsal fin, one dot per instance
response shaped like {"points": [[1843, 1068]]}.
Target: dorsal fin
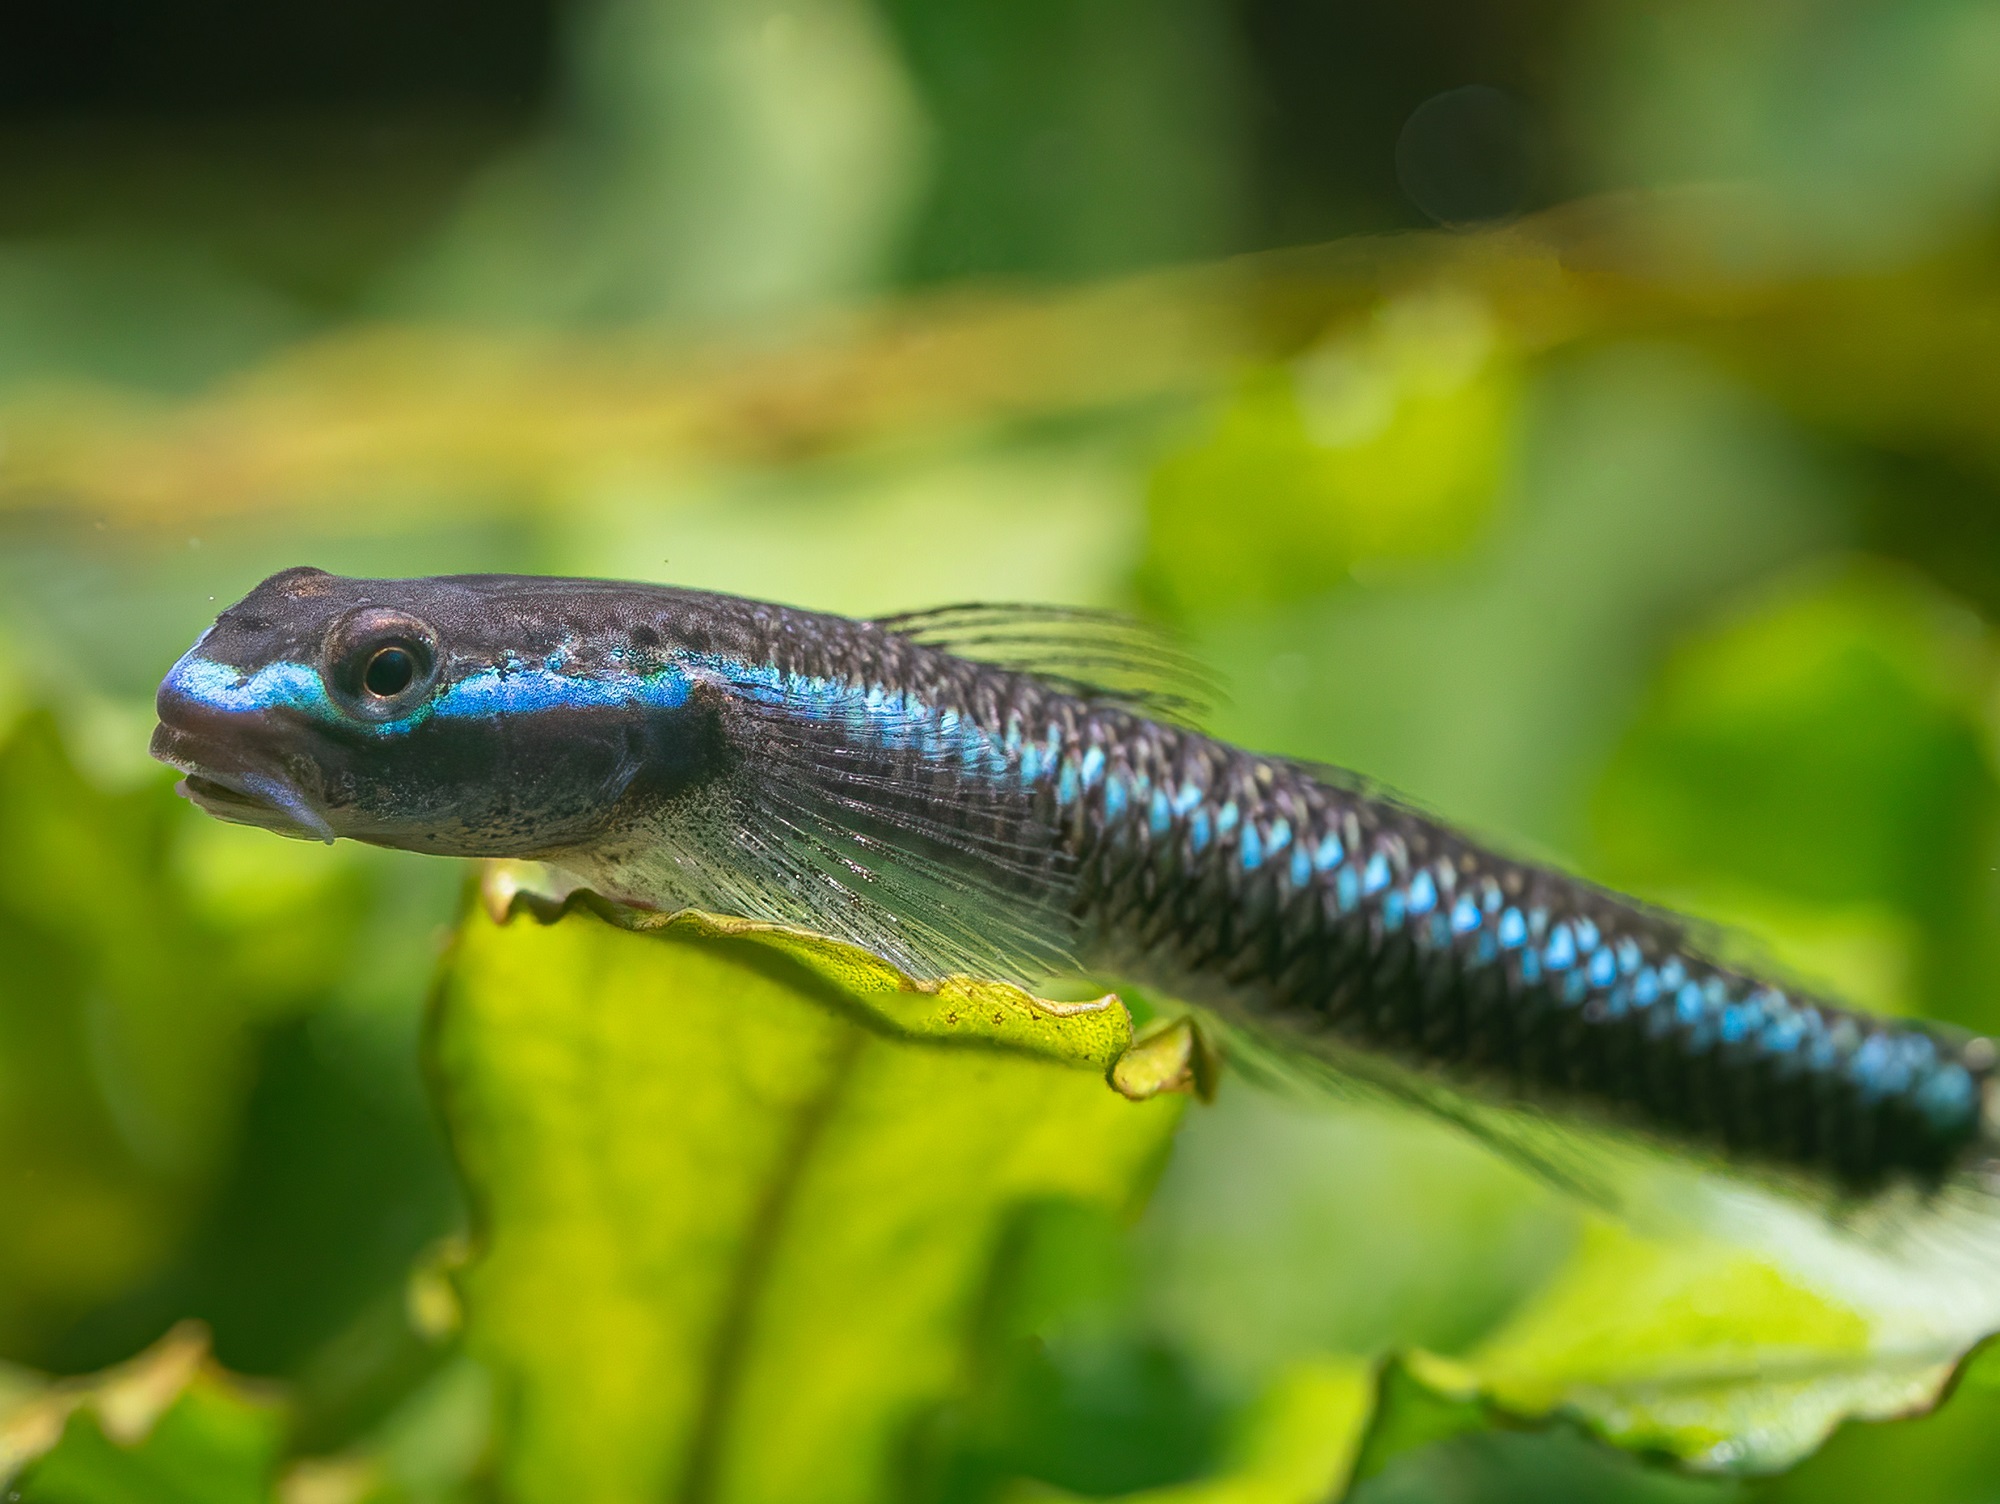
{"points": [[1094, 654]]}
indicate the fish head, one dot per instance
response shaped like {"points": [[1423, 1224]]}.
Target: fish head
{"points": [[461, 715]]}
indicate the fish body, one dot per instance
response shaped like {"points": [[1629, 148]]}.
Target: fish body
{"points": [[893, 785]]}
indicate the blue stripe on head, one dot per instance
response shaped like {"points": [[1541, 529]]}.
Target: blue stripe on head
{"points": [[485, 694], [223, 687], [492, 693]]}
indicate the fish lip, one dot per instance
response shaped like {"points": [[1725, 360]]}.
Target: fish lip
{"points": [[242, 796]]}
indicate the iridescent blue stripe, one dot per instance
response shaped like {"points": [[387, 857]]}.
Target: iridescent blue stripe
{"points": [[487, 693]]}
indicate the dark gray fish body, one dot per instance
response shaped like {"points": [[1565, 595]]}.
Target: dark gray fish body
{"points": [[888, 784]]}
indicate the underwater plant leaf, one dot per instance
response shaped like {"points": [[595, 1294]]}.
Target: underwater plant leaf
{"points": [[1093, 1032], [1707, 1354], [734, 1218], [167, 1426]]}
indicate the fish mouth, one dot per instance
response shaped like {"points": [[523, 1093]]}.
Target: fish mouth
{"points": [[242, 796]]}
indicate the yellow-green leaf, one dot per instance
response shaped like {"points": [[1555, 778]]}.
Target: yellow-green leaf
{"points": [[1717, 1356], [734, 1218], [1094, 1032]]}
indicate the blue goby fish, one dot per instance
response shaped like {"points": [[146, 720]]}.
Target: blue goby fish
{"points": [[1008, 792]]}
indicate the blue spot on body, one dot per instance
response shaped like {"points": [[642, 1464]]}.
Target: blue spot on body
{"points": [[1392, 911], [1198, 834], [1280, 835], [1067, 784], [1329, 854], [1114, 797], [1226, 817], [1187, 798], [1629, 957], [1251, 848], [1646, 987], [1531, 966], [1878, 1067], [1560, 953], [1465, 916], [1093, 767], [1513, 929], [1586, 936], [1347, 888], [1302, 867], [1603, 968], [1948, 1097], [1376, 877], [1690, 1004], [1575, 986], [1031, 763], [1160, 817], [1423, 895], [1782, 1035]]}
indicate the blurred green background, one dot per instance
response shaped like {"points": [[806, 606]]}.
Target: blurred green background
{"points": [[1584, 416]]}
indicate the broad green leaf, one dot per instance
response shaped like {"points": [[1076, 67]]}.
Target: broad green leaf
{"points": [[169, 1427], [1718, 1357], [735, 1218], [1093, 1032]]}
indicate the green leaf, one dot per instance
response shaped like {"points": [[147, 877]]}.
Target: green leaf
{"points": [[1714, 1356], [1094, 1032], [735, 1217], [166, 1428]]}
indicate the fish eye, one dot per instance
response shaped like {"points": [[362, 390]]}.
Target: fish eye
{"points": [[379, 662], [390, 670]]}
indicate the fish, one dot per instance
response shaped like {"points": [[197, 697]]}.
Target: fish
{"points": [[1020, 792]]}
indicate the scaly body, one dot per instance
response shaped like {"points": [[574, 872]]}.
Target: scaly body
{"points": [[675, 749]]}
